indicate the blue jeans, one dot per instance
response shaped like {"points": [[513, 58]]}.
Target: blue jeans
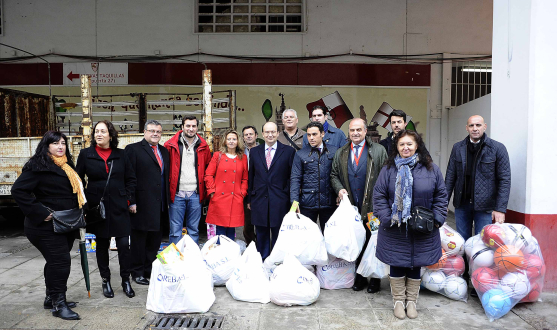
{"points": [[466, 216], [229, 232], [190, 207]]}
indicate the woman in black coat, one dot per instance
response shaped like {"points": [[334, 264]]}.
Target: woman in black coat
{"points": [[409, 179], [95, 162], [48, 180]]}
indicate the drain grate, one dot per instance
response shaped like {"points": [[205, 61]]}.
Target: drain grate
{"points": [[182, 322]]}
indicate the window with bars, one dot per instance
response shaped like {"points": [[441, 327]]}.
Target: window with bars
{"points": [[470, 80], [243, 16]]}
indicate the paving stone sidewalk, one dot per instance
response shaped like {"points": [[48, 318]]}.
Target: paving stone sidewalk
{"points": [[22, 294]]}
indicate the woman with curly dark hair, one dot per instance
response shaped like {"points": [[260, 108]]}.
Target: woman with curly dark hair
{"points": [[49, 181], [408, 179], [97, 162]]}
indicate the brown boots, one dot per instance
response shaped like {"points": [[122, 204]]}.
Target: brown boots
{"points": [[405, 295]]}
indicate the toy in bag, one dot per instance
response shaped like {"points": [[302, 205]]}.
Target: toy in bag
{"points": [[506, 267], [184, 286], [345, 234], [370, 266], [339, 274], [220, 253], [170, 255], [292, 284], [249, 282], [211, 230], [301, 238], [445, 276]]}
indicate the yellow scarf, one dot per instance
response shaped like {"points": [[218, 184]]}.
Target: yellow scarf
{"points": [[77, 185]]}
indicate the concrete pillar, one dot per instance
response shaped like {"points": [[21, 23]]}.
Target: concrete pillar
{"points": [[523, 111]]}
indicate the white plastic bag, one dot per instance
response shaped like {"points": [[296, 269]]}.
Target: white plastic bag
{"points": [[300, 237], [242, 245], [339, 274], [370, 265], [345, 234], [249, 282], [181, 287], [293, 284], [220, 254]]}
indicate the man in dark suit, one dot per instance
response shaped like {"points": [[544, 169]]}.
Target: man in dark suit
{"points": [[149, 210], [269, 187]]}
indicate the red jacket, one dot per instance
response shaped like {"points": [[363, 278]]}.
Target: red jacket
{"points": [[228, 179], [202, 159]]}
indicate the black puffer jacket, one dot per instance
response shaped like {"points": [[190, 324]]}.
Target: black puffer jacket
{"points": [[310, 182], [492, 182]]}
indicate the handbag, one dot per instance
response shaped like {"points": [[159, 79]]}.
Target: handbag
{"points": [[67, 220], [98, 213], [421, 219]]}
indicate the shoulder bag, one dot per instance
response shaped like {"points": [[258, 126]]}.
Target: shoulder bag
{"points": [[98, 213], [421, 219], [67, 220]]}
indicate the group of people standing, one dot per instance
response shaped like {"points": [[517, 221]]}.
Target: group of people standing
{"points": [[252, 185]]}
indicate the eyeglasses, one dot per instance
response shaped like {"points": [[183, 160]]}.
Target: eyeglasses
{"points": [[152, 131]]}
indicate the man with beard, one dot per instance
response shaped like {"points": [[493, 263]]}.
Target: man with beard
{"points": [[397, 120], [333, 136], [189, 157]]}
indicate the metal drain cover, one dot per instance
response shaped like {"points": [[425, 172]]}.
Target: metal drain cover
{"points": [[180, 322]]}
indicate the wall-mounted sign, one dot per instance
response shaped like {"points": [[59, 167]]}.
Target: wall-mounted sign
{"points": [[102, 73]]}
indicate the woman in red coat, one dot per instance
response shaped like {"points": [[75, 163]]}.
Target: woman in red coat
{"points": [[226, 180]]}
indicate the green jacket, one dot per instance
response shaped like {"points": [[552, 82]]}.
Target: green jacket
{"points": [[339, 174]]}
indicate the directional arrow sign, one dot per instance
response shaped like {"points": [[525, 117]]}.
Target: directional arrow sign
{"points": [[72, 75]]}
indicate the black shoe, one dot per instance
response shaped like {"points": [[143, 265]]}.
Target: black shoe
{"points": [[473, 293], [360, 283], [127, 287], [374, 285], [48, 303], [107, 288], [60, 307], [141, 280]]}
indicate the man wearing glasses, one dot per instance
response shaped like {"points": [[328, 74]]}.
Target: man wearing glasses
{"points": [[269, 187], [149, 204]]}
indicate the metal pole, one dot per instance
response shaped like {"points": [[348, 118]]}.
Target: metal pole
{"points": [[208, 107], [232, 109], [86, 105]]}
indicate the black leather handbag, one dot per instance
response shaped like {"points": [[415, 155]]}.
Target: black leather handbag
{"points": [[421, 219], [98, 213], [67, 220]]}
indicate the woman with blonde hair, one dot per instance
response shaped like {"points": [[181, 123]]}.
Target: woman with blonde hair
{"points": [[226, 180]]}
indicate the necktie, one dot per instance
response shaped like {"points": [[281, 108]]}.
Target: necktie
{"points": [[354, 163], [157, 155], [268, 157]]}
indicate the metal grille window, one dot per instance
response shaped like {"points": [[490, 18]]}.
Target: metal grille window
{"points": [[243, 16], [470, 80]]}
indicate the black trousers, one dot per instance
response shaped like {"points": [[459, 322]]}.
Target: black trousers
{"points": [[55, 249], [123, 245], [413, 273], [323, 214], [144, 247], [249, 229]]}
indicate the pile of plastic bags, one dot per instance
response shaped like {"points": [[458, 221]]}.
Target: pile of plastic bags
{"points": [[506, 267], [445, 276], [184, 285]]}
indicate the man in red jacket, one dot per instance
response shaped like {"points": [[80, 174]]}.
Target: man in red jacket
{"points": [[189, 157]]}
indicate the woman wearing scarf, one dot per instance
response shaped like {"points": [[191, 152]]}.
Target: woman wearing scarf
{"points": [[95, 163], [408, 179], [49, 180]]}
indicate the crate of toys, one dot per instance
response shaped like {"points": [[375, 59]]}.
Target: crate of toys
{"points": [[445, 276], [506, 267]]}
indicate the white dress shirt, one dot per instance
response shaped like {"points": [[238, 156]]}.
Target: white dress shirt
{"points": [[360, 149]]}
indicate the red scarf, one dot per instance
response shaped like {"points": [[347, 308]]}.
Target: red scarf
{"points": [[104, 153]]}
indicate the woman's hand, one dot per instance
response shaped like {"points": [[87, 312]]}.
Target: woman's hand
{"points": [[48, 218]]}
